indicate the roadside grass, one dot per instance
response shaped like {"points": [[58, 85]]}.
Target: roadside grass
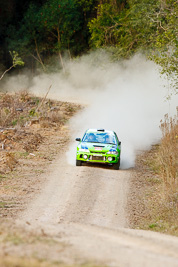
{"points": [[2, 177], [168, 158], [25, 123], [9, 261], [2, 204], [162, 216], [39, 171], [14, 239], [26, 262], [21, 155], [23, 248], [157, 183]]}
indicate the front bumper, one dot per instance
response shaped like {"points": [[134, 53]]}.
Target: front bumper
{"points": [[97, 157]]}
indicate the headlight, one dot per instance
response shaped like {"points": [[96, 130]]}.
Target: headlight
{"points": [[83, 150], [113, 152], [109, 158]]}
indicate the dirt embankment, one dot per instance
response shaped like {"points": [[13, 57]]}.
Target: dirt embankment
{"points": [[32, 131]]}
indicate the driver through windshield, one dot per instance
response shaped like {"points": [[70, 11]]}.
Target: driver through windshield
{"points": [[99, 138]]}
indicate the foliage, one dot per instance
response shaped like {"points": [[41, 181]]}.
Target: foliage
{"points": [[60, 19], [105, 27], [51, 27], [16, 61], [140, 26], [166, 41]]}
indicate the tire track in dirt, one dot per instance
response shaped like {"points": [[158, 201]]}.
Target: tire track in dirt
{"points": [[91, 200], [92, 195]]}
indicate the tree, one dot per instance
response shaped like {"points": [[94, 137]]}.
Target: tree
{"points": [[60, 19], [166, 41], [48, 29], [145, 26], [109, 28]]}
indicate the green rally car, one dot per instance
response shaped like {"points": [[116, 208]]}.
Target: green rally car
{"points": [[99, 146]]}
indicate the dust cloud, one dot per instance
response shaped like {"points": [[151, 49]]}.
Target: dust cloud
{"points": [[128, 97]]}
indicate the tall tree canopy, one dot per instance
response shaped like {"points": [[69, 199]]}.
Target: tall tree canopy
{"points": [[39, 29], [141, 25]]}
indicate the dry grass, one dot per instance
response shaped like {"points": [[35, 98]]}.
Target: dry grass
{"points": [[20, 262], [25, 120], [13, 239], [153, 202], [11, 108], [38, 249], [30, 262], [164, 201], [168, 158], [23, 109]]}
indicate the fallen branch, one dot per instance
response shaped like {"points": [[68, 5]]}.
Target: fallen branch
{"points": [[41, 104], [16, 62], [4, 129], [6, 72]]}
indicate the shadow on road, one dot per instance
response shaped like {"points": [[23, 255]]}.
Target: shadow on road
{"points": [[103, 166]]}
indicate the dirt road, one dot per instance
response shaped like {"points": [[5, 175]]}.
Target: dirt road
{"points": [[85, 206]]}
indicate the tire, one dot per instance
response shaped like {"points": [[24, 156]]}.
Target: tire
{"points": [[116, 165], [78, 163]]}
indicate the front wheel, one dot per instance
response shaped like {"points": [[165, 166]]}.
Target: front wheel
{"points": [[116, 165], [78, 162]]}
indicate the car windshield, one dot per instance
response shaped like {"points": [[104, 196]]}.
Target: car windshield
{"points": [[99, 137]]}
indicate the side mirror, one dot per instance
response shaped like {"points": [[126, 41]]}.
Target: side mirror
{"points": [[119, 142], [78, 139]]}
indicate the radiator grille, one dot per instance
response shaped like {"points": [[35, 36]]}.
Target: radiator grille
{"points": [[97, 152], [97, 158]]}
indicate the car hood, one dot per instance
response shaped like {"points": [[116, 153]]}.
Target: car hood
{"points": [[97, 147]]}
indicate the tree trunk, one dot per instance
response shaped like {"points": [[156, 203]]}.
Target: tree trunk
{"points": [[60, 55], [39, 57]]}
